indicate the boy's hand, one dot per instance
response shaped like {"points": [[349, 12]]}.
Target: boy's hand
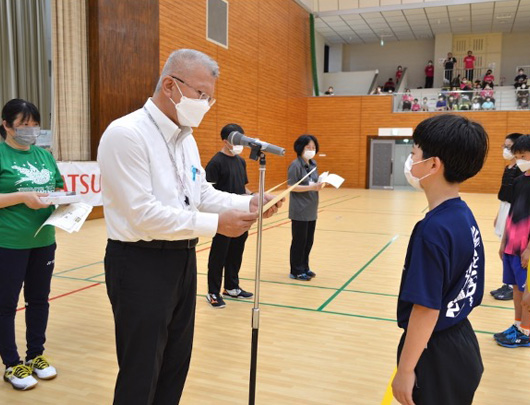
{"points": [[402, 386], [524, 258], [501, 250]]}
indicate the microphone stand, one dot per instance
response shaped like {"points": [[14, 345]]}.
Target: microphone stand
{"points": [[256, 154]]}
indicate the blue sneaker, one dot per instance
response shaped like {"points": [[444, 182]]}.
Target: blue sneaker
{"points": [[301, 277], [514, 339], [508, 331]]}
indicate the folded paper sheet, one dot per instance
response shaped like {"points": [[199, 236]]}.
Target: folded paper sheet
{"points": [[68, 217]]}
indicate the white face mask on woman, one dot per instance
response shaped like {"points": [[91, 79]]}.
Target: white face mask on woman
{"points": [[26, 135], [190, 111], [413, 181], [309, 154]]}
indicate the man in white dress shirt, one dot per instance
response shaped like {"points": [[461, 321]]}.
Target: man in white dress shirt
{"points": [[157, 203]]}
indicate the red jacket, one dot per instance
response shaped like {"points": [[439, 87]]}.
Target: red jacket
{"points": [[429, 71]]}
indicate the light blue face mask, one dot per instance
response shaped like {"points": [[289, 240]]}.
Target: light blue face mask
{"points": [[26, 135]]}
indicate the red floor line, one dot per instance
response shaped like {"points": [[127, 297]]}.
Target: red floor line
{"points": [[68, 293]]}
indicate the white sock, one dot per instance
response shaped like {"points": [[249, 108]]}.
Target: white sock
{"points": [[518, 324]]}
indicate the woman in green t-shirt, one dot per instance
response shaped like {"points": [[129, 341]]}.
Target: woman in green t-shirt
{"points": [[27, 173]]}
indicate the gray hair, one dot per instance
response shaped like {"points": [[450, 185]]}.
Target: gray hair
{"points": [[183, 61]]}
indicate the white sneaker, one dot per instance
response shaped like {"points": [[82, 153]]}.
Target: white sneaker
{"points": [[20, 377], [42, 368]]}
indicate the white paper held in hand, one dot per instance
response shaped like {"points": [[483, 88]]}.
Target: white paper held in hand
{"points": [[68, 217], [334, 179]]}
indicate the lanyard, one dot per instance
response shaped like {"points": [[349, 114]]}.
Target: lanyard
{"points": [[181, 182]]}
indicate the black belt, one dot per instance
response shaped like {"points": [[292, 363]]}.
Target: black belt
{"points": [[163, 244]]}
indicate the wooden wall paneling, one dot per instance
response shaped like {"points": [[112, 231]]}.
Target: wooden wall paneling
{"points": [[299, 85], [335, 121], [123, 59], [273, 79]]}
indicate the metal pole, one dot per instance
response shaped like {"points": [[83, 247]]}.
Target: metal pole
{"points": [[255, 309]]}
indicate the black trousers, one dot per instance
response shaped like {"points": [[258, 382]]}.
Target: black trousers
{"points": [[428, 82], [225, 253], [33, 268], [449, 75], [470, 74], [303, 234], [449, 369], [152, 292]]}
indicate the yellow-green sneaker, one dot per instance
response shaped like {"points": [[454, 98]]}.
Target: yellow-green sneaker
{"points": [[41, 368], [20, 377]]}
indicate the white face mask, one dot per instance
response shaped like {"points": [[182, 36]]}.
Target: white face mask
{"points": [[236, 149], [523, 164], [413, 181], [507, 154], [190, 111], [309, 154], [26, 135]]}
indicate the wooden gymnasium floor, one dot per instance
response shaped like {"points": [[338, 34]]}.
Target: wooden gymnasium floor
{"points": [[328, 341]]}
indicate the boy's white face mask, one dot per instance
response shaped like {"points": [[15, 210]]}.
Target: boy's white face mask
{"points": [[507, 154], [523, 164], [414, 181]]}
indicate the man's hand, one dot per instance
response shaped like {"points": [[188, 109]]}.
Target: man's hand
{"points": [[266, 198], [235, 223], [402, 386], [33, 201], [318, 186]]}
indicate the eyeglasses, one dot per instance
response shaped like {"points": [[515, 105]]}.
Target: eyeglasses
{"points": [[202, 95]]}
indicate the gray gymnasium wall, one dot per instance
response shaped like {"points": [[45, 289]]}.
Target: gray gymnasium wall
{"points": [[411, 54]]}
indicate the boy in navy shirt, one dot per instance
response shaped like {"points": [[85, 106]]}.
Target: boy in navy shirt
{"points": [[439, 359], [515, 248]]}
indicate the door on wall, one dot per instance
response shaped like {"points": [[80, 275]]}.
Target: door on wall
{"points": [[387, 161], [381, 164], [487, 49]]}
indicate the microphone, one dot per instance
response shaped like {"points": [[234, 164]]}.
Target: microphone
{"points": [[237, 138]]}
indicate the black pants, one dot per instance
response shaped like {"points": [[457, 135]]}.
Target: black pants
{"points": [[225, 253], [449, 369], [428, 82], [152, 292], [449, 76], [303, 234], [469, 74], [33, 268]]}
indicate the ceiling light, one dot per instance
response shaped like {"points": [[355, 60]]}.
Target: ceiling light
{"points": [[382, 42]]}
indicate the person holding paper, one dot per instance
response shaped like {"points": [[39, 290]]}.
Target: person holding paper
{"points": [[27, 173], [157, 203], [303, 206], [228, 172]]}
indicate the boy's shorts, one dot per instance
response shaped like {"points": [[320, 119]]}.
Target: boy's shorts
{"points": [[449, 369], [513, 272]]}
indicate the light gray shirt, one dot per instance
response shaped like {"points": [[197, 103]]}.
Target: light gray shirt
{"points": [[302, 206]]}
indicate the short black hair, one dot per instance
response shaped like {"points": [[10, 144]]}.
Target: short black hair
{"points": [[513, 136], [461, 144], [15, 108], [522, 144], [229, 128], [302, 142]]}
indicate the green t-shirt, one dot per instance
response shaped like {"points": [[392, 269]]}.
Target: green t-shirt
{"points": [[31, 170]]}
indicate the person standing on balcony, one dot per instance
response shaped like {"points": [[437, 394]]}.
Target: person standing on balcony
{"points": [[449, 65], [429, 75], [469, 65]]}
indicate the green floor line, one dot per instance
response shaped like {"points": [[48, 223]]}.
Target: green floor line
{"points": [[80, 267], [325, 304], [496, 307]]}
